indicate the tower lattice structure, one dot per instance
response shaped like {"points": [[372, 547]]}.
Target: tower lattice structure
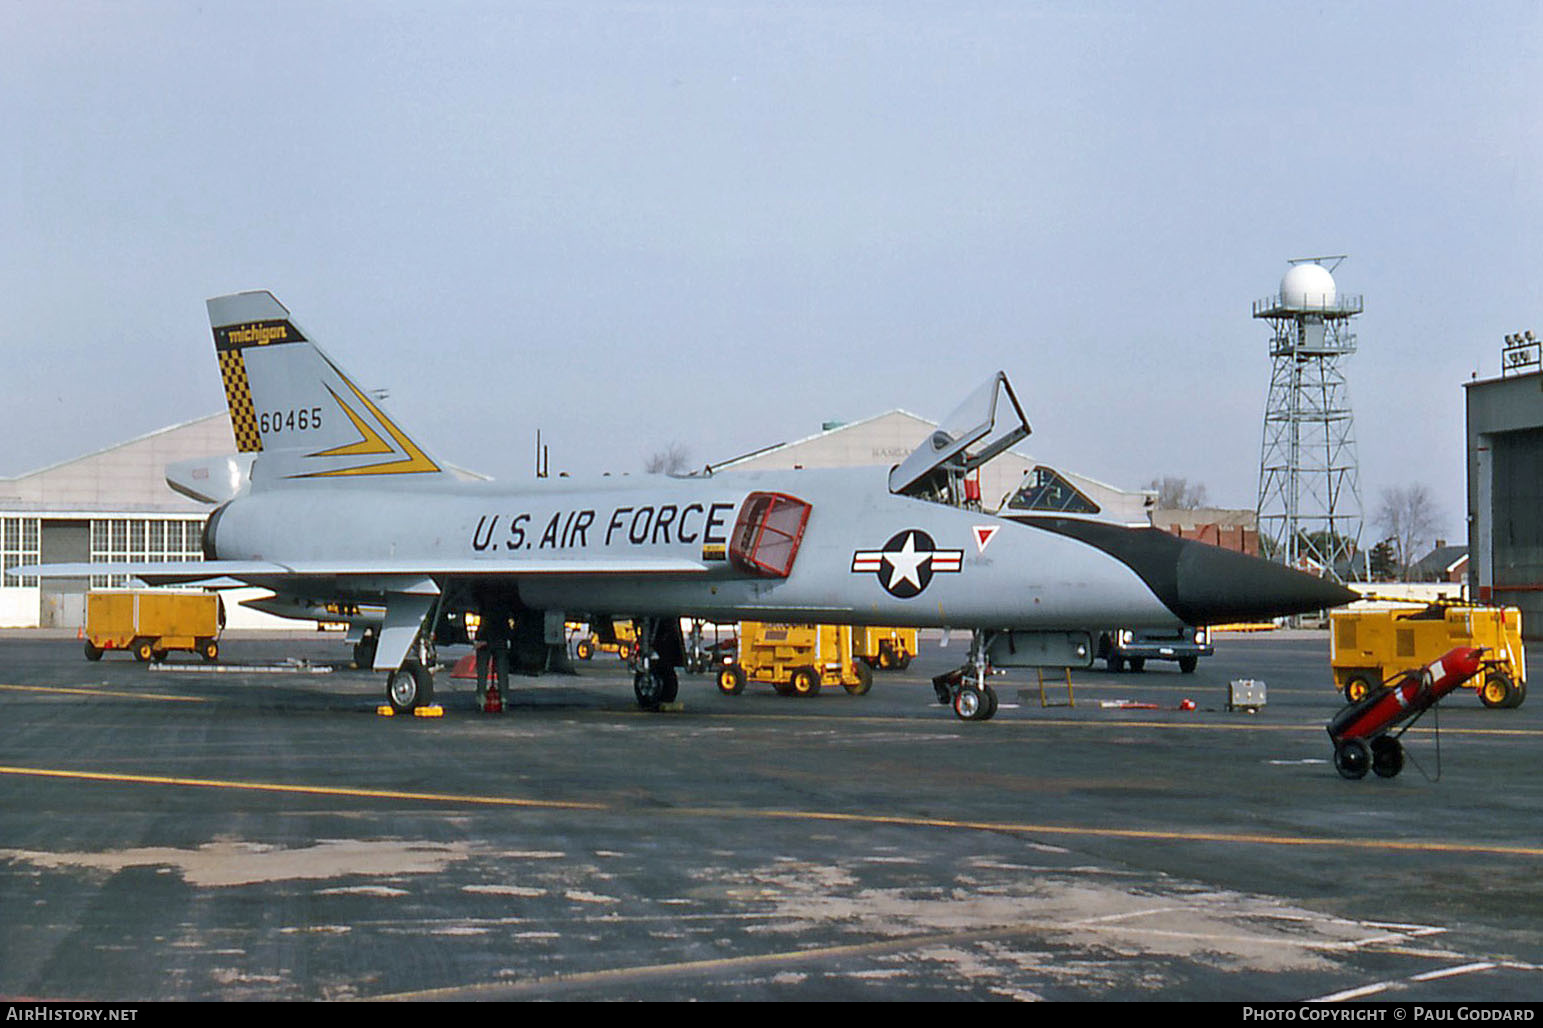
{"points": [[1309, 478]]}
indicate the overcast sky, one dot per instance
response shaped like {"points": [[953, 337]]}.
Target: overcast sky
{"points": [[630, 224]]}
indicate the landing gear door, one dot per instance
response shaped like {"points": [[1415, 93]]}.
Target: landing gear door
{"points": [[967, 438]]}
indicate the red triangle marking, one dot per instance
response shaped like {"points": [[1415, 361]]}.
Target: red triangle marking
{"points": [[983, 535]]}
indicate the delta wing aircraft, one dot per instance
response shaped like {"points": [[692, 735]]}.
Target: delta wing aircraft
{"points": [[331, 502]]}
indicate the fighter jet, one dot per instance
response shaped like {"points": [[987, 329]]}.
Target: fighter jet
{"points": [[331, 504]]}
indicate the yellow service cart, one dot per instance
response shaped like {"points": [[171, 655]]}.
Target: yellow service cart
{"points": [[885, 649], [150, 623], [795, 659], [624, 636], [1371, 646]]}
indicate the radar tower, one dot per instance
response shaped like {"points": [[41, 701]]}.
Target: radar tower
{"points": [[1309, 479]]}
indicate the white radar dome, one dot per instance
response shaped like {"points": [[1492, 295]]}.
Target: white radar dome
{"points": [[1307, 286]]}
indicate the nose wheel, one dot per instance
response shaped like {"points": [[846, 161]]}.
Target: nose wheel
{"points": [[966, 689], [975, 703]]}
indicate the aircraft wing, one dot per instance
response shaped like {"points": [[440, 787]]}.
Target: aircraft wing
{"points": [[258, 571]]}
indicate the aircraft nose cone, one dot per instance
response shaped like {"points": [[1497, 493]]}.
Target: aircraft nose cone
{"points": [[1204, 584], [1216, 586]]}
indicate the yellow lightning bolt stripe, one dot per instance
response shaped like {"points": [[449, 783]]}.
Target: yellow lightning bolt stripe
{"points": [[415, 460], [370, 443]]}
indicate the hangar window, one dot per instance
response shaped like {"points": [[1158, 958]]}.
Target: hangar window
{"points": [[1044, 489], [148, 540], [768, 533], [19, 545]]}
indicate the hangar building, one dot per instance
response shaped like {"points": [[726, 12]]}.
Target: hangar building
{"points": [[1505, 494], [112, 505]]}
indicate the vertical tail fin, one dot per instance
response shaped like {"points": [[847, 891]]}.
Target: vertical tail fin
{"points": [[294, 407]]}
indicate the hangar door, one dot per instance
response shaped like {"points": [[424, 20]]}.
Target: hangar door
{"points": [[1517, 507]]}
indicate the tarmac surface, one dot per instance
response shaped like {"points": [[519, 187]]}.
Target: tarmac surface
{"points": [[194, 834]]}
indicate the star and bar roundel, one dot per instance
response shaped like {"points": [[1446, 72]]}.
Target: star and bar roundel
{"points": [[907, 562]]}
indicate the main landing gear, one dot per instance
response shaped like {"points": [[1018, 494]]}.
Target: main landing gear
{"points": [[658, 651], [412, 685], [965, 688]]}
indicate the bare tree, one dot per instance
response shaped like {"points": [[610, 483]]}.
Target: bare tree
{"points": [[1175, 493], [1410, 518], [672, 460]]}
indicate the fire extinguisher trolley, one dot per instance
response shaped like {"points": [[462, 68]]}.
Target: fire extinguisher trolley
{"points": [[1361, 730]]}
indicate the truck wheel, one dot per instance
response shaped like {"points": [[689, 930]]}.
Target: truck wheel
{"points": [[731, 680], [1357, 688], [1352, 759], [1497, 690], [1138, 663], [584, 649], [864, 675], [805, 682], [1115, 664], [1189, 664], [143, 651], [209, 650], [93, 651]]}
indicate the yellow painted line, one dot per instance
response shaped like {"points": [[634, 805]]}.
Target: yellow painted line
{"points": [[301, 790], [105, 692], [720, 813], [1145, 835]]}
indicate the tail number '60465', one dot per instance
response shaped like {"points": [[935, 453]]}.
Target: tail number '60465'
{"points": [[289, 421]]}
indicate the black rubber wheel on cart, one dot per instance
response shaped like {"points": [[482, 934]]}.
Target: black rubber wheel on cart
{"points": [[1352, 759]]}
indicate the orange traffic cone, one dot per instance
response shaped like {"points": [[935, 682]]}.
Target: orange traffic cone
{"points": [[494, 704]]}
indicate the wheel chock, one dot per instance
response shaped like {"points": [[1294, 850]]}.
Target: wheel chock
{"points": [[384, 710], [432, 710], [673, 708]]}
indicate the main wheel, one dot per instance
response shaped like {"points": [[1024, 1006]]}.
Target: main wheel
{"points": [[864, 675], [409, 686], [1497, 690], [731, 680], [1352, 759], [669, 684], [1387, 756], [655, 687], [805, 682]]}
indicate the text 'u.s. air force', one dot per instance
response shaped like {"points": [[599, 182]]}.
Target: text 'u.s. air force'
{"points": [[667, 524]]}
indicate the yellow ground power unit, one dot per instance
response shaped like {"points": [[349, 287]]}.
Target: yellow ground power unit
{"points": [[150, 623], [797, 660], [885, 649], [1372, 646]]}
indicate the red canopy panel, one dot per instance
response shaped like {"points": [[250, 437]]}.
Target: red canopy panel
{"points": [[767, 533]]}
